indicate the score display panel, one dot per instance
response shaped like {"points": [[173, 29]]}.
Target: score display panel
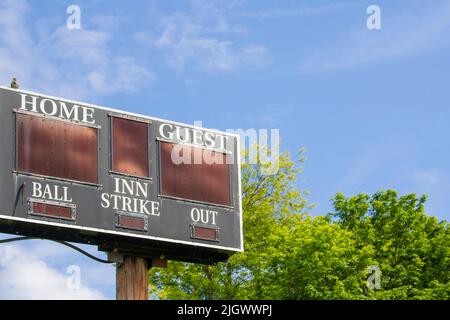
{"points": [[127, 183]]}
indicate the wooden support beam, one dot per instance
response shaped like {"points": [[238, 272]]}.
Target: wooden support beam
{"points": [[132, 279]]}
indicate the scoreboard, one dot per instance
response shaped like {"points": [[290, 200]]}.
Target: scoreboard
{"points": [[127, 183]]}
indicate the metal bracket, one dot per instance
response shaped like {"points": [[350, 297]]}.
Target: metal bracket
{"points": [[160, 262], [115, 257]]}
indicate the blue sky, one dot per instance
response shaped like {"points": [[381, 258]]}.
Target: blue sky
{"points": [[371, 107]]}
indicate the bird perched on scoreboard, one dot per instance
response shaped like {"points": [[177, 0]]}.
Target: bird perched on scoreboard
{"points": [[14, 83]]}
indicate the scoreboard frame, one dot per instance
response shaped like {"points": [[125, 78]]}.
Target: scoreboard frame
{"points": [[121, 212]]}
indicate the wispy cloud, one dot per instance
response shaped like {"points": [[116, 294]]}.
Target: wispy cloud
{"points": [[74, 63], [202, 39], [25, 276], [272, 116], [363, 167], [432, 181], [295, 12], [371, 163], [403, 34], [425, 178]]}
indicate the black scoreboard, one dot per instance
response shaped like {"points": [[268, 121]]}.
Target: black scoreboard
{"points": [[125, 182]]}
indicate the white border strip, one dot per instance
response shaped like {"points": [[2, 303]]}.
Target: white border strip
{"points": [[240, 193], [118, 233]]}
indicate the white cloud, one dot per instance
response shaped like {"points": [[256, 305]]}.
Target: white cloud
{"points": [[370, 165], [403, 34], [212, 55], [72, 63], [364, 166], [25, 276], [272, 116], [202, 40], [121, 75], [424, 178], [85, 46], [295, 12], [433, 182]]}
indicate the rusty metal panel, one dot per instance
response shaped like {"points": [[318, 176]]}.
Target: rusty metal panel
{"points": [[52, 210], [204, 233], [130, 147], [56, 148], [132, 221], [198, 179]]}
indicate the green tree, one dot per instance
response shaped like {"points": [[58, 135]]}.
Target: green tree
{"points": [[411, 249]]}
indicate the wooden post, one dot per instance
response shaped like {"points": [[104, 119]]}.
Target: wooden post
{"points": [[132, 279]]}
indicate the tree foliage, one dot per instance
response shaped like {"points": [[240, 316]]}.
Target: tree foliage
{"points": [[290, 254], [411, 249]]}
